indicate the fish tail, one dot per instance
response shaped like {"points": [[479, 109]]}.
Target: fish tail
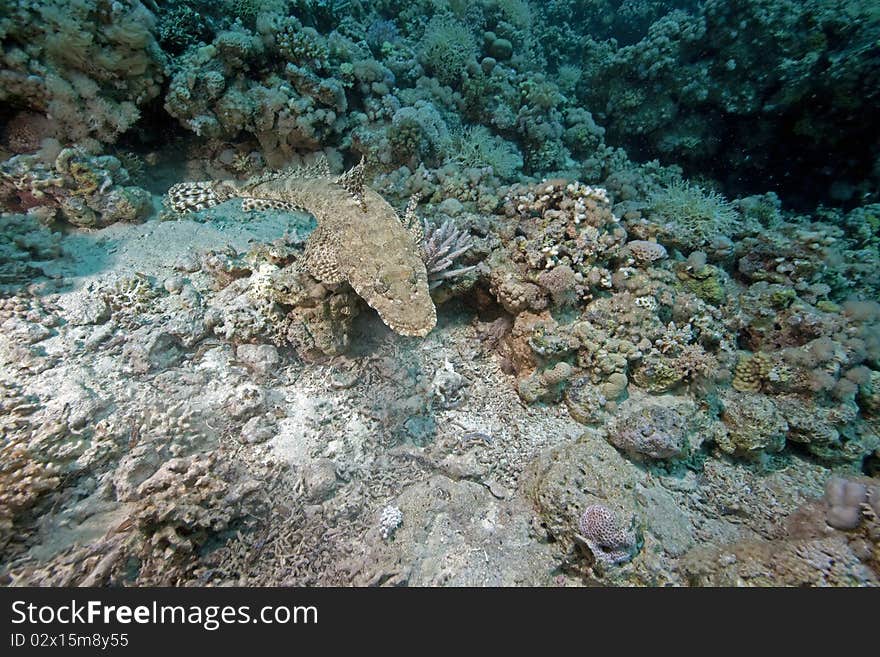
{"points": [[194, 196]]}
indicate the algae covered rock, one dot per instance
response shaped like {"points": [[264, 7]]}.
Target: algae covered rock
{"points": [[754, 425], [707, 282], [565, 483], [654, 432]]}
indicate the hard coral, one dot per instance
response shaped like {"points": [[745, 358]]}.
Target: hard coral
{"points": [[447, 48], [610, 542], [440, 246], [85, 190], [646, 252], [847, 500], [559, 223], [693, 216]]}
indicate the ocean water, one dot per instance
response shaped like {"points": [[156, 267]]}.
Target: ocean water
{"points": [[439, 293]]}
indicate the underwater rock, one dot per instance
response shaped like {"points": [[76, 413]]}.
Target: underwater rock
{"points": [[186, 502], [820, 561], [135, 468], [88, 309], [258, 429], [261, 358], [585, 401], [655, 432], [754, 425], [174, 284], [319, 479], [455, 533], [564, 482], [149, 349], [245, 401]]}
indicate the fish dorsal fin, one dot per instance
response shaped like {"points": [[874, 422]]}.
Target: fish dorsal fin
{"points": [[353, 181], [410, 221], [321, 257], [319, 168], [266, 176]]}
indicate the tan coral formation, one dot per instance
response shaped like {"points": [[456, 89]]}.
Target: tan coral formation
{"points": [[360, 239]]}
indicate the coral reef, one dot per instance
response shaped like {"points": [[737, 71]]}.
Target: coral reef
{"points": [[698, 91], [69, 184], [88, 66], [628, 371]]}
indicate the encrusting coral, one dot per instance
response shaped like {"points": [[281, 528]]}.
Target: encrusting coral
{"points": [[69, 183]]}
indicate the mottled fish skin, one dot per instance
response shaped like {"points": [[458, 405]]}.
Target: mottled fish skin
{"points": [[359, 239]]}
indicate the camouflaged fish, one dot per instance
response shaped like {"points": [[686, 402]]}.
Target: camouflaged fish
{"points": [[360, 239]]}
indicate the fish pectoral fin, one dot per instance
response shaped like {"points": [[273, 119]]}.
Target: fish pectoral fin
{"points": [[321, 257]]}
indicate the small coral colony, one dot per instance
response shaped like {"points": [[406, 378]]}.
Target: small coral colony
{"points": [[348, 292]]}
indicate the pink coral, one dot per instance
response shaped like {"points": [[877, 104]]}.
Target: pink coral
{"points": [[608, 540]]}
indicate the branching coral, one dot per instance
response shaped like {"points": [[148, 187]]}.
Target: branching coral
{"points": [[440, 247], [561, 223], [693, 216], [447, 48], [477, 147]]}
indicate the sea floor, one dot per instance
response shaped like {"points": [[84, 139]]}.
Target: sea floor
{"points": [[184, 458]]}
